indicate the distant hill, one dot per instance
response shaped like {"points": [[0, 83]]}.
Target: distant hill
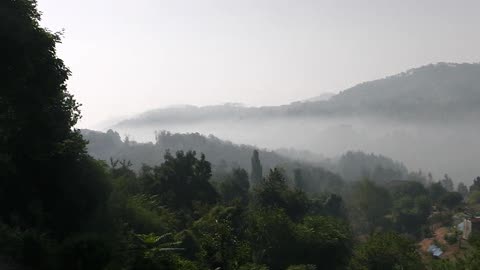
{"points": [[109, 145], [322, 97], [433, 92], [223, 156], [436, 92]]}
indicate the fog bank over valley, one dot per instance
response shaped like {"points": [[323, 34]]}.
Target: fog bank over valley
{"points": [[426, 117]]}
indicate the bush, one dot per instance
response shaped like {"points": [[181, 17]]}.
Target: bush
{"points": [[30, 247], [86, 251], [386, 251], [302, 267], [451, 238], [252, 266], [145, 215]]}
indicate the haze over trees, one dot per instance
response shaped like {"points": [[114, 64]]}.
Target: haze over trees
{"points": [[257, 170], [422, 117], [72, 199]]}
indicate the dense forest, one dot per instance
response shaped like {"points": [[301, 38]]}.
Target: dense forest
{"points": [[321, 174], [72, 199]]}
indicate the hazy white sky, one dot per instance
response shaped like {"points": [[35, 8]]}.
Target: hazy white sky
{"points": [[131, 56]]}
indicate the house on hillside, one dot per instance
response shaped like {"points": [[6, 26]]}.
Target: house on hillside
{"points": [[470, 225], [435, 251]]}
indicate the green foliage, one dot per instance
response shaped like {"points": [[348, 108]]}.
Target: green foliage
{"points": [[386, 251], [442, 218], [223, 155], [220, 234], [314, 180], [451, 200], [474, 197], [447, 183], [471, 261], [437, 191], [474, 240], [410, 214], [476, 185], [275, 193], [43, 157], [235, 187], [252, 266], [271, 234], [51, 191], [278, 242], [257, 170], [323, 241], [153, 244], [462, 189], [328, 205], [302, 267], [30, 247], [62, 209], [451, 238], [354, 166], [144, 214], [411, 207], [86, 251], [408, 188], [182, 181], [298, 179], [371, 203]]}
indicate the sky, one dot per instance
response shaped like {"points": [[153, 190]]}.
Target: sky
{"points": [[127, 57]]}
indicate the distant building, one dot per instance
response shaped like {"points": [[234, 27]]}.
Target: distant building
{"points": [[471, 225], [435, 251]]}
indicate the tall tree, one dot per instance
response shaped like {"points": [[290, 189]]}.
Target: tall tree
{"points": [[371, 202], [47, 179], [298, 179], [275, 193], [476, 185], [257, 170], [447, 183], [235, 186], [181, 181], [436, 191], [451, 199], [462, 189]]}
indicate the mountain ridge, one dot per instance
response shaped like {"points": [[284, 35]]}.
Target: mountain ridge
{"points": [[433, 92]]}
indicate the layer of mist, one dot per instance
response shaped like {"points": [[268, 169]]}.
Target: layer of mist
{"points": [[452, 149], [426, 117]]}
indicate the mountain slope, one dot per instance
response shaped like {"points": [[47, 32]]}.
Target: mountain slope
{"points": [[317, 176], [223, 156], [109, 145], [436, 92], [433, 91]]}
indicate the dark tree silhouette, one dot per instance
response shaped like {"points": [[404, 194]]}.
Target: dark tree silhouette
{"points": [[48, 180], [476, 184], [257, 170], [298, 179], [447, 183], [181, 181], [462, 189]]}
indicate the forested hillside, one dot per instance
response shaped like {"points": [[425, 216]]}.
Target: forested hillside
{"points": [[224, 156], [437, 92], [227, 154], [84, 200], [424, 117]]}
